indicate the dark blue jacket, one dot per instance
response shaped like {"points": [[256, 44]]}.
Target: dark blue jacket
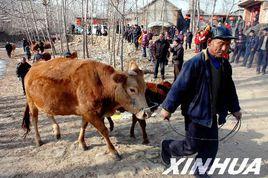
{"points": [[192, 90], [252, 43]]}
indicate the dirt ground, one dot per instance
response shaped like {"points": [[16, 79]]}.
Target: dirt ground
{"points": [[63, 158]]}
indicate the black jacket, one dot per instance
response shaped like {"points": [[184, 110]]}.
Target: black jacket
{"points": [[25, 43], [161, 50], [260, 43], [8, 47], [192, 90], [22, 69], [189, 37], [177, 52]]}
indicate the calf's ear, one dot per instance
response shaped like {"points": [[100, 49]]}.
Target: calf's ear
{"points": [[119, 77]]}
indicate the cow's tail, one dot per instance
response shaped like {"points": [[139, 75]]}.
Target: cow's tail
{"points": [[26, 121]]}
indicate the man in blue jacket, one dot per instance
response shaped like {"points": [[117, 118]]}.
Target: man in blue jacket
{"points": [[251, 47], [263, 52], [206, 92]]}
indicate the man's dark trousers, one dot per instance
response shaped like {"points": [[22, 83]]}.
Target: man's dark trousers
{"points": [[188, 44], [249, 58], [262, 60], [162, 70], [190, 145]]}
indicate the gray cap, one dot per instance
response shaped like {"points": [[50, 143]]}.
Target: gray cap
{"points": [[221, 32]]}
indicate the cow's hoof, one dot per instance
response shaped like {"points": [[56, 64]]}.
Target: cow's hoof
{"points": [[145, 142], [39, 143], [116, 156], [58, 136], [84, 147]]}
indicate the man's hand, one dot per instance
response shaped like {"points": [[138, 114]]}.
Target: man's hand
{"points": [[237, 115], [166, 115]]}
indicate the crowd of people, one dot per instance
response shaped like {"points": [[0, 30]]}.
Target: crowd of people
{"points": [[158, 50], [251, 46], [174, 42]]}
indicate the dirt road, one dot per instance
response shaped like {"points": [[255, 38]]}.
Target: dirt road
{"points": [[63, 158]]}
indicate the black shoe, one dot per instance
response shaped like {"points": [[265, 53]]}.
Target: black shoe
{"points": [[165, 157]]}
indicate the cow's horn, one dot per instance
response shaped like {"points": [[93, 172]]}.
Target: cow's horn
{"points": [[131, 72]]}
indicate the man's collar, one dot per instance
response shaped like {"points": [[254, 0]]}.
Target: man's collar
{"points": [[207, 55]]}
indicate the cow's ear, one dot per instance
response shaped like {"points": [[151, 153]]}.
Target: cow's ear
{"points": [[119, 78], [133, 66]]}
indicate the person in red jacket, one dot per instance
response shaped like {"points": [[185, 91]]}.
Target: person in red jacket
{"points": [[197, 42]]}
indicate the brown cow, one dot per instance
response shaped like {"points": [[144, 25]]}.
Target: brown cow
{"points": [[155, 95], [86, 88]]}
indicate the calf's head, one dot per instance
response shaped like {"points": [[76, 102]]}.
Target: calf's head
{"points": [[130, 91]]}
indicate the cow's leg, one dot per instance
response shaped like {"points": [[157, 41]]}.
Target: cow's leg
{"points": [[55, 126], [134, 121], [111, 123], [34, 115], [98, 123], [143, 128], [81, 139]]}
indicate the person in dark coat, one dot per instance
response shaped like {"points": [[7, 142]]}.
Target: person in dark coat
{"points": [[37, 56], [136, 35], [41, 46], [251, 47], [28, 52], [189, 38], [24, 44], [263, 52], [239, 49], [160, 55], [177, 57], [8, 49], [240, 25], [206, 92], [22, 68]]}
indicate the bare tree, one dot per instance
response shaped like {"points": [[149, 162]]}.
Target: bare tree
{"points": [[198, 14], [64, 7], [232, 5], [25, 22], [46, 4], [213, 11], [34, 20], [59, 11], [122, 39], [86, 37]]}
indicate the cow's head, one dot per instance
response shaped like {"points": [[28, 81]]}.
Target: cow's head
{"points": [[130, 91]]}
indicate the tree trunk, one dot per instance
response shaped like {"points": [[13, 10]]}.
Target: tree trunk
{"points": [[86, 36], [109, 26], [91, 20], [83, 25], [34, 20], [65, 23], [59, 25], [213, 11], [43, 33], [198, 14], [47, 28], [122, 39], [25, 23]]}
